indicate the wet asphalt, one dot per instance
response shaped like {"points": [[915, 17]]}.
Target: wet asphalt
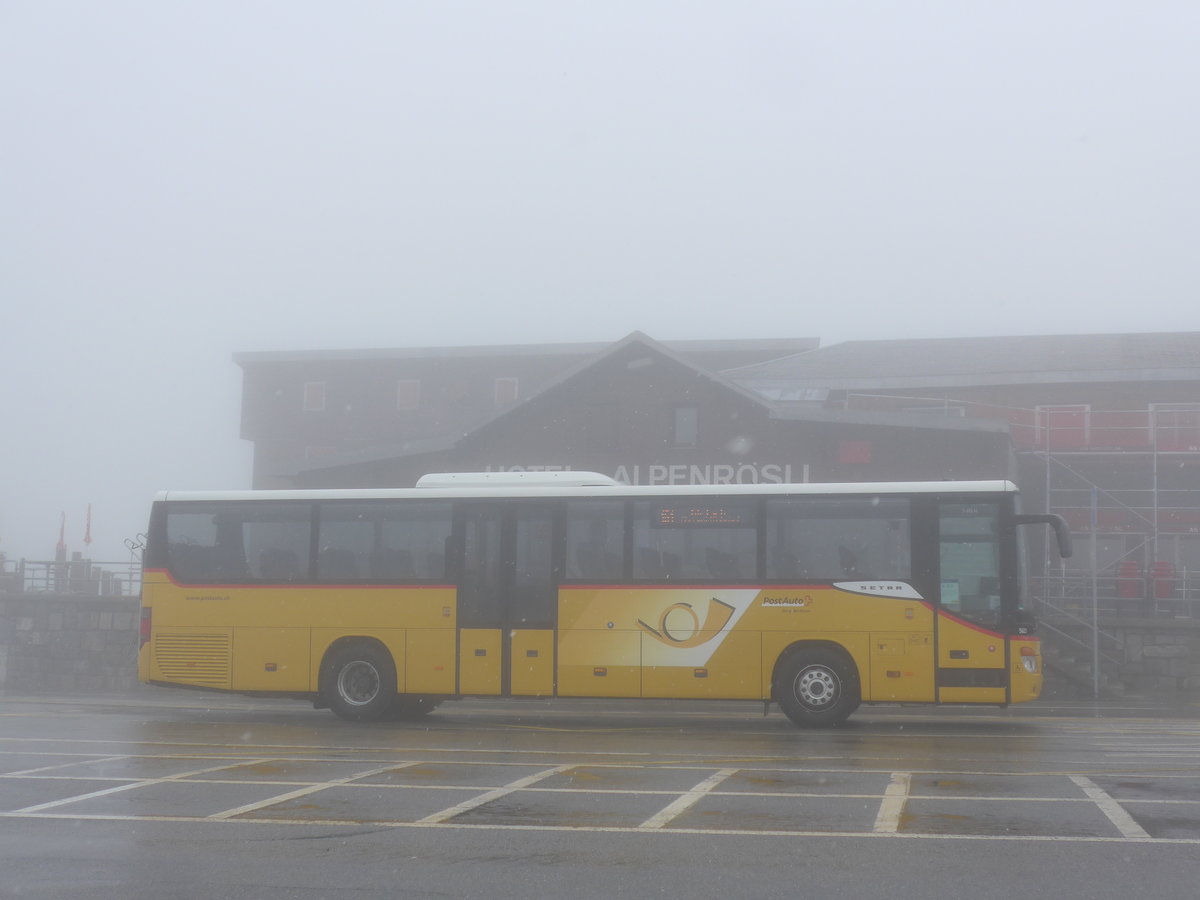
{"points": [[165, 793]]}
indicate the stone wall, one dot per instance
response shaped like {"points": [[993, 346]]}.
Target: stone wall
{"points": [[1149, 657], [67, 644], [1157, 657]]}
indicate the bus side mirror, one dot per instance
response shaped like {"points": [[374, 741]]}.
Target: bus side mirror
{"points": [[1057, 523]]}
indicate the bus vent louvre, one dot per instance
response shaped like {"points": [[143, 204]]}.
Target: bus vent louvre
{"points": [[200, 659]]}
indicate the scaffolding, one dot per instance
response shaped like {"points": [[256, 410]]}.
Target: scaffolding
{"points": [[1127, 482]]}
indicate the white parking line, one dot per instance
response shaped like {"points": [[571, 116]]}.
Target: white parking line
{"points": [[467, 805], [121, 787], [1111, 808], [887, 821], [274, 749], [73, 762], [618, 829], [305, 791], [687, 800]]}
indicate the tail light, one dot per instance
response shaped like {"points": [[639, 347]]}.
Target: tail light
{"points": [[144, 627]]}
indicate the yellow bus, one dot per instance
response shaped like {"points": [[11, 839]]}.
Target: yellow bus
{"points": [[384, 603]]}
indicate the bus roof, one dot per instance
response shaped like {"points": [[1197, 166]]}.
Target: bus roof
{"points": [[606, 487]]}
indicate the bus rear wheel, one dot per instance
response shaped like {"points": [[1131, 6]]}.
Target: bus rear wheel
{"points": [[358, 682], [817, 687]]}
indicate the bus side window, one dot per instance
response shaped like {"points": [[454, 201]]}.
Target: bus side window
{"points": [[275, 564], [699, 540], [837, 540], [276, 537], [382, 541], [595, 540], [337, 564], [390, 564]]}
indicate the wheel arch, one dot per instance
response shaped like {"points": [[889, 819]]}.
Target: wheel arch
{"points": [[349, 640], [803, 645]]}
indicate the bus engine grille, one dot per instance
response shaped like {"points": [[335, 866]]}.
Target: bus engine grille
{"points": [[201, 659]]}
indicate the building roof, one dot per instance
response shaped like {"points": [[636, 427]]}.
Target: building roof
{"points": [[643, 346], [726, 351], [963, 362]]}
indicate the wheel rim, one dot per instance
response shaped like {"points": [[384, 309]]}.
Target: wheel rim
{"points": [[358, 683], [817, 687]]}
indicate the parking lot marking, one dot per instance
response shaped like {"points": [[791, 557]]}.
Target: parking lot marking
{"points": [[73, 762], [1111, 808], [620, 829], [305, 791], [121, 787], [245, 748], [467, 805], [686, 800], [894, 798]]}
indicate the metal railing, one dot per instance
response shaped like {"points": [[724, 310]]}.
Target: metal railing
{"points": [[1161, 427], [76, 576], [1149, 597]]}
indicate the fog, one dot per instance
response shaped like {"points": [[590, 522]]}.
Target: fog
{"points": [[182, 181]]}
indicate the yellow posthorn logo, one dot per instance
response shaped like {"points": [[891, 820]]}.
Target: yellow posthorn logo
{"points": [[679, 625]]}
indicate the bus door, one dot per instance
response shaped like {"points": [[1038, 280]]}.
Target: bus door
{"points": [[506, 595], [972, 649], [533, 594]]}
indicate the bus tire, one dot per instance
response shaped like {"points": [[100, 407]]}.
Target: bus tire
{"points": [[358, 681], [817, 687], [410, 706]]}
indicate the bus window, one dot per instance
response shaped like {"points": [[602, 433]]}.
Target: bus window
{"points": [[596, 541], [276, 539], [481, 579], [389, 542], [192, 554], [695, 540], [970, 560], [534, 591], [837, 540], [238, 544]]}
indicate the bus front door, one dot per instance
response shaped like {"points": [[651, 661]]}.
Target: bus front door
{"points": [[506, 601], [972, 649]]}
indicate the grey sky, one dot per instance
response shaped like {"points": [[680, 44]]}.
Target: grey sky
{"points": [[183, 180]]}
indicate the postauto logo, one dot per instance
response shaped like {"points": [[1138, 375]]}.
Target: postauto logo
{"points": [[679, 625]]}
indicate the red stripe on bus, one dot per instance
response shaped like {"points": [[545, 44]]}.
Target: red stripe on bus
{"points": [[294, 586]]}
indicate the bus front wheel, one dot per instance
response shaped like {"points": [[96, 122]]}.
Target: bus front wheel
{"points": [[358, 682], [817, 687]]}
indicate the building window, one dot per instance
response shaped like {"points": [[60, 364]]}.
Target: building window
{"points": [[314, 396], [852, 453], [408, 394], [506, 391], [686, 426]]}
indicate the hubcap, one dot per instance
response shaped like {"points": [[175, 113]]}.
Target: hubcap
{"points": [[816, 686], [358, 683]]}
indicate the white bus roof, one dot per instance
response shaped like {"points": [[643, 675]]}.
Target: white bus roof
{"points": [[515, 479], [469, 484]]}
